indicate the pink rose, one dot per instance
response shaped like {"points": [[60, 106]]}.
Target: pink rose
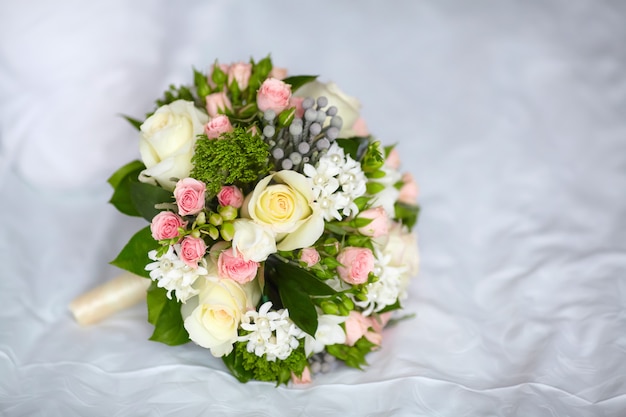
{"points": [[358, 326], [192, 249], [240, 72], [278, 73], [409, 190], [234, 267], [189, 194], [360, 128], [379, 225], [378, 323], [297, 103], [273, 95], [356, 263], [230, 195], [217, 103], [165, 225], [217, 125], [393, 159], [310, 256], [305, 378]]}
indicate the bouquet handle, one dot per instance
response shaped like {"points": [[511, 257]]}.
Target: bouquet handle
{"points": [[116, 295]]}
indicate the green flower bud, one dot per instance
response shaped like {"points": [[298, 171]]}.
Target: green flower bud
{"points": [[215, 219], [227, 231], [328, 307], [201, 218], [228, 213], [347, 302], [195, 233], [213, 232]]}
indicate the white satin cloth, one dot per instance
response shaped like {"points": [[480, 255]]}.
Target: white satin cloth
{"points": [[511, 116]]}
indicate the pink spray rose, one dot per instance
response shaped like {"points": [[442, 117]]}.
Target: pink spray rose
{"points": [[297, 103], [304, 379], [356, 263], [217, 125], [409, 190], [192, 249], [278, 73], [230, 195], [273, 95], [379, 225], [360, 128], [240, 72], [189, 194], [165, 225], [358, 326], [217, 103], [393, 159], [310, 256], [234, 267]]}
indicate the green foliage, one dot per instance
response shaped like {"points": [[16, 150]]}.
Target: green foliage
{"points": [[146, 196], [134, 256], [299, 80], [175, 93], [246, 365], [134, 122], [353, 356], [355, 147], [121, 182], [202, 85], [296, 286], [407, 214], [165, 315], [372, 158], [237, 157]]}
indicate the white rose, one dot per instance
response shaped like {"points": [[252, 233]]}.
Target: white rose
{"points": [[167, 141], [286, 208], [253, 241], [212, 318], [348, 108], [329, 332]]}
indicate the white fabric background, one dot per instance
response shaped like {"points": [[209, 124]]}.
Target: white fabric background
{"points": [[511, 115]]}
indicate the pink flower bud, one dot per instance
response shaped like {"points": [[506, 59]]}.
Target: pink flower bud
{"points": [[310, 256], [356, 263], [273, 95], [192, 249], [165, 225], [230, 195], [233, 266], [218, 125], [393, 159], [240, 72], [409, 190], [217, 103], [378, 226]]}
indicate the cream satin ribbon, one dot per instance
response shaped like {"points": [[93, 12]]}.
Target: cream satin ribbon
{"points": [[118, 294]]}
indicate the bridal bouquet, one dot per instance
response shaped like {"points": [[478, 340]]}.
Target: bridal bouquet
{"points": [[279, 235]]}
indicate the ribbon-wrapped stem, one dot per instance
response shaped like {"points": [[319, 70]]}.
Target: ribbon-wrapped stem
{"points": [[118, 294]]}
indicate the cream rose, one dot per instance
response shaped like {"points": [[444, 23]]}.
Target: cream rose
{"points": [[401, 246], [283, 203], [348, 108], [253, 241], [212, 317], [167, 140]]}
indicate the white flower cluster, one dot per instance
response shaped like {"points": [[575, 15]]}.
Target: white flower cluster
{"points": [[271, 332], [173, 274], [337, 181], [387, 289]]}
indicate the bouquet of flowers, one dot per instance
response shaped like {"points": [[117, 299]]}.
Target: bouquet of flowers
{"points": [[279, 235]]}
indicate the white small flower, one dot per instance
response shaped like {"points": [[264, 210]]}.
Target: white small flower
{"points": [[329, 332], [389, 287], [271, 332], [173, 274]]}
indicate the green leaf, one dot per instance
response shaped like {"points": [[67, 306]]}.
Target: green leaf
{"points": [[145, 196], [301, 307], [335, 227], [263, 67], [355, 147], [218, 76], [165, 315], [202, 85], [374, 187], [128, 169], [286, 117], [121, 181], [234, 363], [299, 80], [292, 273], [134, 256], [136, 123], [407, 214], [360, 222]]}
